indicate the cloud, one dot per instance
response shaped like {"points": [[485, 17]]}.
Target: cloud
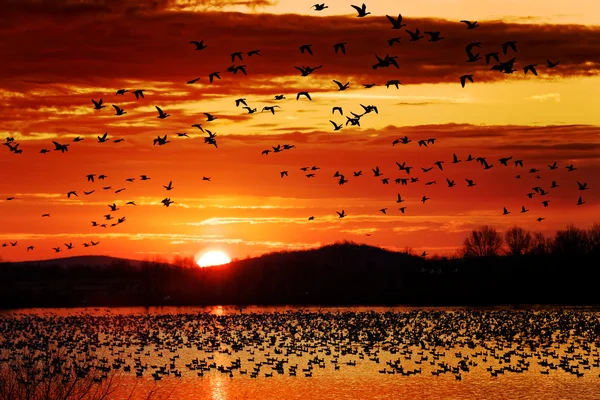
{"points": [[131, 45], [545, 97]]}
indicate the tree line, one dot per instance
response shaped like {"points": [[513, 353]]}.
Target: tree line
{"points": [[486, 241], [512, 267]]}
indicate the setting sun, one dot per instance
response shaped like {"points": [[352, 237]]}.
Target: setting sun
{"points": [[213, 258]]}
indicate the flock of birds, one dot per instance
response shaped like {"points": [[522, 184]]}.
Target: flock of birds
{"points": [[353, 119], [303, 343]]}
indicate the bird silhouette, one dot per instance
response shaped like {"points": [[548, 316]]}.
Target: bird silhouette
{"points": [[118, 110], [582, 186], [396, 22], [470, 25], [305, 94], [510, 44], [463, 79], [199, 44], [530, 67], [362, 11], [414, 36], [161, 113], [341, 46], [98, 104], [103, 138], [214, 75], [341, 86], [341, 214], [306, 48]]}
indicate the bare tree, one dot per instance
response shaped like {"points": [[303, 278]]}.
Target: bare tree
{"points": [[593, 236], [483, 242], [540, 244], [570, 241], [518, 241]]}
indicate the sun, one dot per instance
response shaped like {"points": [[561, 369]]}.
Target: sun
{"points": [[211, 258]]}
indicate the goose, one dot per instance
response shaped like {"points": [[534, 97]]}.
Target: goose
{"points": [[396, 22], [118, 110], [98, 104], [161, 113], [361, 10]]}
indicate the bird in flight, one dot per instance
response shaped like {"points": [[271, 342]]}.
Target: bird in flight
{"points": [[396, 22], [199, 44], [319, 7], [362, 11], [340, 46], [169, 186], [161, 113], [470, 25], [214, 75], [103, 138], [118, 110], [341, 86], [305, 94], [341, 214], [463, 79], [98, 104], [270, 108]]}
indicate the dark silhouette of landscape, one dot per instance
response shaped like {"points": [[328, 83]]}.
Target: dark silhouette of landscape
{"points": [[492, 268]]}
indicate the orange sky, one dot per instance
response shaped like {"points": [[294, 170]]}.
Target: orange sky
{"points": [[63, 55]]}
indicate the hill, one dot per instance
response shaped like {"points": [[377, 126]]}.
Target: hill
{"points": [[338, 274]]}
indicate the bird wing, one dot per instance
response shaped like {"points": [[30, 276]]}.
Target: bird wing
{"points": [[392, 20], [159, 110]]}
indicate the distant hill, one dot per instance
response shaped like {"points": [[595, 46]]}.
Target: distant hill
{"points": [[339, 274], [77, 261]]}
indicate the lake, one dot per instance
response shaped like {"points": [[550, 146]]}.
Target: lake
{"points": [[304, 353]]}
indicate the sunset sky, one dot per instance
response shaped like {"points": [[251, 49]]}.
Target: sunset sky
{"points": [[60, 54]]}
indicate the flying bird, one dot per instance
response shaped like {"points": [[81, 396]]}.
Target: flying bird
{"points": [[396, 22], [361, 10]]}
